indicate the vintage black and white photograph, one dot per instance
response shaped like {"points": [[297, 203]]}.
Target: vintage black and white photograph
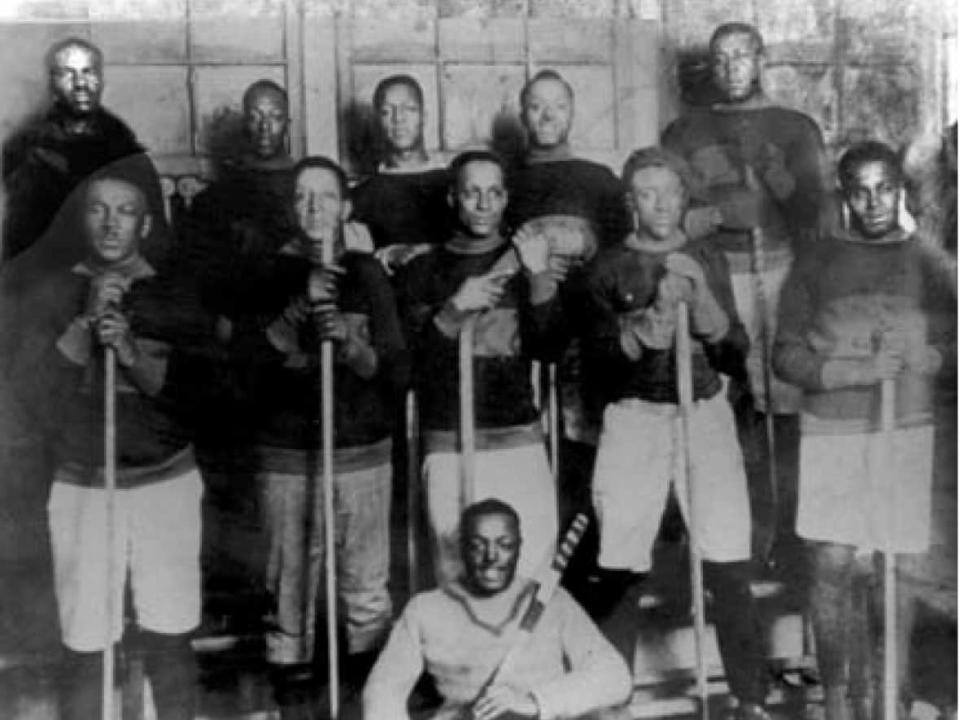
{"points": [[478, 359]]}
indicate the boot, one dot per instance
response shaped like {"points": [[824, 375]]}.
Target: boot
{"points": [[171, 666], [81, 685], [293, 692]]}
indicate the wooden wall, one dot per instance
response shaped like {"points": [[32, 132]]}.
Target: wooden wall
{"points": [[176, 68]]}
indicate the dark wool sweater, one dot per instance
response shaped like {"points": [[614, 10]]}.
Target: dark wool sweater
{"points": [[624, 279], [719, 142], [404, 208], [507, 337], [244, 215], [284, 387], [66, 398], [42, 165], [839, 299]]}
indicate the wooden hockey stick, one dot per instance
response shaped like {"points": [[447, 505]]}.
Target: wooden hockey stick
{"points": [[329, 516], [685, 396], [468, 439], [890, 699], [110, 489], [413, 479]]}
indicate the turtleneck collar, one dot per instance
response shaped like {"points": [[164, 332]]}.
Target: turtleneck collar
{"points": [[897, 235], [758, 101], [132, 268], [643, 243], [463, 244], [429, 163], [554, 153], [300, 245]]}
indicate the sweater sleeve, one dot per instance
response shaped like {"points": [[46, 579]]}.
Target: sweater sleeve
{"points": [[396, 671], [941, 305], [388, 343], [794, 360], [807, 208], [598, 677]]}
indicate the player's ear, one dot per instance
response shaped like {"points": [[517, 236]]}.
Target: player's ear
{"points": [[146, 225], [346, 209]]}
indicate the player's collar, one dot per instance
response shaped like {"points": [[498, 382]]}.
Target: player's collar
{"points": [[536, 155], [672, 243], [894, 236], [462, 244], [470, 603], [134, 268], [758, 101], [431, 163]]}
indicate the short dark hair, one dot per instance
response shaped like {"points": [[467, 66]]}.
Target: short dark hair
{"points": [[135, 170], [324, 163], [50, 59], [863, 153], [489, 506], [465, 158], [407, 81], [654, 156], [265, 86], [546, 74], [737, 28]]}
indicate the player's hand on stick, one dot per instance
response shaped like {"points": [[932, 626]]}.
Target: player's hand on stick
{"points": [[653, 328], [106, 291], [113, 330], [331, 325], [501, 699], [322, 284]]}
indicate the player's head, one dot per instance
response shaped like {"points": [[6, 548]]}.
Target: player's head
{"points": [[655, 188], [75, 72], [871, 182], [266, 119], [478, 192], [546, 108], [736, 56], [490, 544], [115, 215], [320, 198], [398, 104]]}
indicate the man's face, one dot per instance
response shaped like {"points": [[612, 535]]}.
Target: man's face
{"points": [[265, 120], [115, 219], [401, 118], [318, 204], [656, 199], [873, 196], [736, 66], [76, 80], [491, 548], [481, 198], [548, 113]]}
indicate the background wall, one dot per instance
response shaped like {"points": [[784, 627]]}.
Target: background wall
{"points": [[176, 68]]}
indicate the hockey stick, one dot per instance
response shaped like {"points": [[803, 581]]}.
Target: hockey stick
{"points": [[890, 701], [685, 396], [553, 414], [468, 439], [413, 478], [757, 267], [110, 488], [329, 534]]}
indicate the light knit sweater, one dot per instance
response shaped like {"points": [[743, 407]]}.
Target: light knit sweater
{"points": [[567, 665]]}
